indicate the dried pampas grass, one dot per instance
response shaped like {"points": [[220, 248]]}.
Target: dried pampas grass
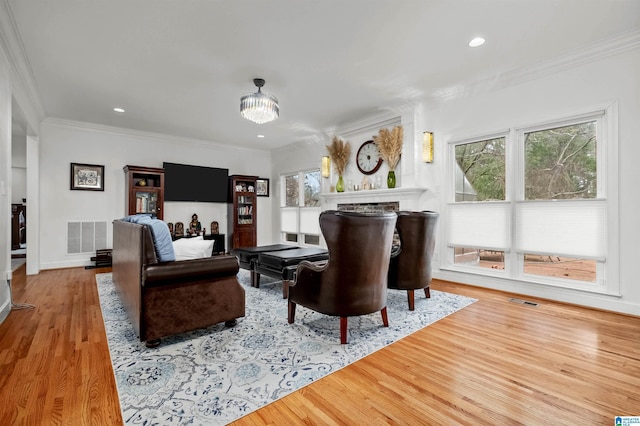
{"points": [[389, 143], [339, 151]]}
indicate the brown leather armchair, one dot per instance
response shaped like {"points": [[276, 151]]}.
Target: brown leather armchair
{"points": [[410, 266], [354, 280]]}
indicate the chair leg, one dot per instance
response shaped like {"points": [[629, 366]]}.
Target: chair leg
{"points": [[385, 318], [292, 311], [285, 288], [427, 292], [411, 299], [343, 330]]}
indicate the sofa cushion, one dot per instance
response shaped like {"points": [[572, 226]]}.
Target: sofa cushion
{"points": [[192, 248], [160, 233]]}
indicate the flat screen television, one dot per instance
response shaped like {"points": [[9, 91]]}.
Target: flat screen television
{"points": [[183, 182]]}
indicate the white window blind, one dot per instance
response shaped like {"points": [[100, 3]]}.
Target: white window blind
{"points": [[289, 219], [309, 220], [484, 225], [575, 228]]}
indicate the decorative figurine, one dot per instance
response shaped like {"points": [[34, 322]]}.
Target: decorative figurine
{"points": [[195, 227]]}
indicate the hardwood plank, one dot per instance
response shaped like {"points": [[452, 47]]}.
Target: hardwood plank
{"points": [[58, 369], [494, 362]]}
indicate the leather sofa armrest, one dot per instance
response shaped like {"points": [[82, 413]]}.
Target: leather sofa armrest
{"points": [[183, 270]]}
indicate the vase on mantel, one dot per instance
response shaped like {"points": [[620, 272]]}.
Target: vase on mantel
{"points": [[340, 185], [391, 179]]}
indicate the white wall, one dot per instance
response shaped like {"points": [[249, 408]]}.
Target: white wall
{"points": [[18, 169], [62, 143], [5, 185], [485, 110], [584, 88]]}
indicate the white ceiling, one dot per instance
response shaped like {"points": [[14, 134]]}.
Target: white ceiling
{"points": [[179, 67]]}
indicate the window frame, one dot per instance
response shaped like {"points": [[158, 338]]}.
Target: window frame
{"points": [[300, 211], [607, 273]]}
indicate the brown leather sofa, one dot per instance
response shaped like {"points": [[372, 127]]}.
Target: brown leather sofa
{"points": [[354, 280], [166, 298], [410, 266]]}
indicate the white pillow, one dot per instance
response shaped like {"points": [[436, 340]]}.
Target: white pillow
{"points": [[192, 248]]}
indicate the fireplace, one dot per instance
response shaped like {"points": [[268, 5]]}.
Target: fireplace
{"points": [[388, 206], [374, 200]]}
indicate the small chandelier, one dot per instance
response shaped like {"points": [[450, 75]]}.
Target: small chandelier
{"points": [[259, 107]]}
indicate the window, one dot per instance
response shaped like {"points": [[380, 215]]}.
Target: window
{"points": [[531, 203], [301, 208], [480, 170], [479, 223], [291, 191], [560, 163], [312, 189]]}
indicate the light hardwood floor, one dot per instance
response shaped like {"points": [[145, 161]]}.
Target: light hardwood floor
{"points": [[494, 362]]}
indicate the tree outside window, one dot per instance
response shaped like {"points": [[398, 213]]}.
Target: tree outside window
{"points": [[561, 163]]}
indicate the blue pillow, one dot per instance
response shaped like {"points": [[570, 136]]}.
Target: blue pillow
{"points": [[160, 233], [137, 218], [162, 240]]}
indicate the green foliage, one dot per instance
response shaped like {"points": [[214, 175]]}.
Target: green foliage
{"points": [[561, 163], [483, 165]]}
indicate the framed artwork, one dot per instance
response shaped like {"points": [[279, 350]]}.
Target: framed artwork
{"points": [[87, 177], [262, 187]]}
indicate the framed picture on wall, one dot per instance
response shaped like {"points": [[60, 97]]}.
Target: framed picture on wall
{"points": [[262, 187], [87, 177]]}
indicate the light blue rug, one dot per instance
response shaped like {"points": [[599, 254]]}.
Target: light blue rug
{"points": [[218, 374]]}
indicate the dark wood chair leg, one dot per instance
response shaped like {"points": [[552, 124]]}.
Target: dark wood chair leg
{"points": [[292, 312], [343, 330], [385, 318], [255, 282], [285, 288], [411, 298], [153, 343], [427, 292]]}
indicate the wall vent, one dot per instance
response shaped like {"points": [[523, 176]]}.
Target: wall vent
{"points": [[86, 237], [523, 302]]}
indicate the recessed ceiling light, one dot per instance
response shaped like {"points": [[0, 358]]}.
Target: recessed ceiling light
{"points": [[261, 136], [478, 41], [118, 109]]}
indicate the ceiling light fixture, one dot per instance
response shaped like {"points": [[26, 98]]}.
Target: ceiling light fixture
{"points": [[478, 41], [118, 109], [259, 107]]}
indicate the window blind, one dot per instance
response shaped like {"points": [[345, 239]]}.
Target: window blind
{"points": [[575, 228], [484, 225], [309, 222], [289, 219]]}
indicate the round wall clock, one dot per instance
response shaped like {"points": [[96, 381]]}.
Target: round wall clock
{"points": [[368, 158]]}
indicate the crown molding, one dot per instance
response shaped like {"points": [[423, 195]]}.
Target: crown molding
{"points": [[23, 82], [369, 123], [595, 52], [120, 131]]}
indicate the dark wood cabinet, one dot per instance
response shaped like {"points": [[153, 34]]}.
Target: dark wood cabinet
{"points": [[220, 245], [241, 221], [18, 225], [145, 190]]}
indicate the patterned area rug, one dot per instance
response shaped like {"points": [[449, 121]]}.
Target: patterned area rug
{"points": [[218, 374]]}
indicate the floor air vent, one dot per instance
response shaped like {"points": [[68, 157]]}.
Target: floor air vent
{"points": [[523, 302]]}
